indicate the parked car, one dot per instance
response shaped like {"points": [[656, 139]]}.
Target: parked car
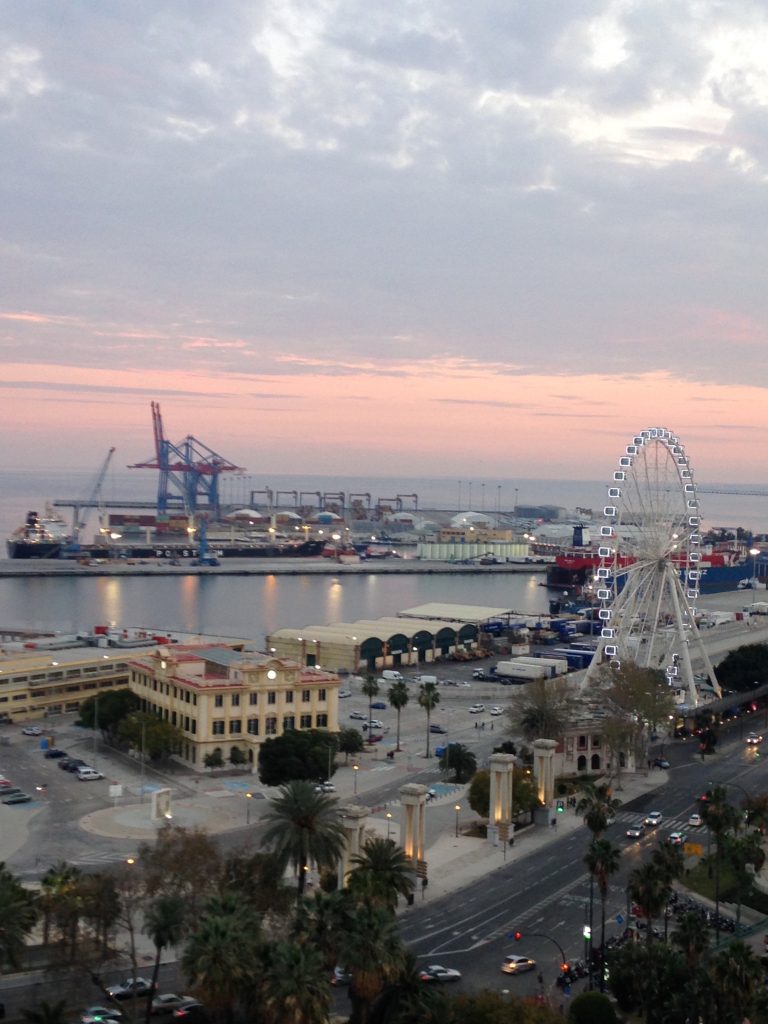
{"points": [[660, 762], [379, 705], [438, 729], [193, 1012], [15, 798], [129, 988], [344, 693], [97, 1014], [168, 1002], [358, 716], [476, 709], [497, 710], [325, 787], [653, 819], [54, 752], [478, 674], [438, 973], [65, 762], [31, 730], [374, 723], [75, 764], [87, 774], [517, 964]]}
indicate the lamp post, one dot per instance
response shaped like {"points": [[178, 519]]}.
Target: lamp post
{"points": [[457, 808], [389, 824], [248, 798], [754, 552], [355, 770]]}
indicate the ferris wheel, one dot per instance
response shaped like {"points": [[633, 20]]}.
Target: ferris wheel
{"points": [[647, 578]]}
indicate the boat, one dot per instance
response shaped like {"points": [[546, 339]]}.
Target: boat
{"points": [[721, 571], [39, 537]]}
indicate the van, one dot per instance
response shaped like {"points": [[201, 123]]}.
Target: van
{"points": [[428, 679], [392, 675]]}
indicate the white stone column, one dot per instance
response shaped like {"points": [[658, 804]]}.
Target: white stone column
{"points": [[544, 770], [500, 810], [353, 819], [413, 800]]}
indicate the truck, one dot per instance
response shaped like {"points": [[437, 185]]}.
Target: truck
{"points": [[520, 670], [556, 666]]}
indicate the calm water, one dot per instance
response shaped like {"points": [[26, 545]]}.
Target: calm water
{"points": [[248, 606]]}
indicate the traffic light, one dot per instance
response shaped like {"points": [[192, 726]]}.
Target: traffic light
{"points": [[587, 932], [560, 806], [564, 968]]}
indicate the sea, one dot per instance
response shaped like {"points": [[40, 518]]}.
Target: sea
{"points": [[254, 606]]}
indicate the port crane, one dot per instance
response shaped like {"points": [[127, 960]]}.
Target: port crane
{"points": [[189, 472], [80, 511]]}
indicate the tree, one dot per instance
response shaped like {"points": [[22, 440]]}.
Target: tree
{"points": [[322, 919], [258, 878], [220, 955], [350, 742], [107, 711], [303, 827], [164, 923], [298, 754], [742, 668], [737, 976], [293, 985], [429, 698], [603, 859], [371, 951], [60, 902], [370, 690], [237, 757], [650, 890], [621, 736], [152, 736], [524, 795], [479, 795], [398, 697], [18, 915], [406, 999], [541, 710], [381, 873], [592, 1008], [47, 1013], [181, 862], [213, 759], [640, 692], [597, 806], [691, 939], [99, 905], [459, 761]]}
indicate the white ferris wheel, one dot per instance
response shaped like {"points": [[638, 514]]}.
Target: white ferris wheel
{"points": [[647, 579]]}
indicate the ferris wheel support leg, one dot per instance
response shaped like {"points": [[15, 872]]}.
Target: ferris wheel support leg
{"points": [[685, 646], [651, 648]]}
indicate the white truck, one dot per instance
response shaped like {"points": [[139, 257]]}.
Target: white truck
{"points": [[555, 666], [520, 670]]}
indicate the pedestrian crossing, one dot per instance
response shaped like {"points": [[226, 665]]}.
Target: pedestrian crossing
{"points": [[666, 824]]}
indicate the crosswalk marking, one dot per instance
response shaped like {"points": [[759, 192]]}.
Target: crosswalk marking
{"points": [[668, 824]]}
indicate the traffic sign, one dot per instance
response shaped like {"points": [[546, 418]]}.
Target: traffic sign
{"points": [[619, 919]]}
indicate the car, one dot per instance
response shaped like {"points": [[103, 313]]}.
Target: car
{"points": [[193, 1012], [96, 1014], [660, 762], [517, 964], [464, 684], [54, 752], [653, 819], [169, 1001], [753, 739], [15, 798], [478, 674], [636, 831], [129, 988], [86, 774], [5, 783], [340, 977], [31, 730], [438, 729], [438, 973], [325, 787], [344, 693], [476, 709], [497, 710], [676, 838], [75, 764], [374, 723], [695, 821], [379, 705], [65, 762], [358, 716]]}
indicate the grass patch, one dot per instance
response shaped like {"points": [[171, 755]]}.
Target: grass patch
{"points": [[701, 880]]}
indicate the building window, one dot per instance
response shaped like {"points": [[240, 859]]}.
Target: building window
{"points": [[270, 728], [595, 762], [581, 764], [218, 727], [322, 721], [581, 742], [186, 723], [321, 694], [253, 726], [306, 721], [289, 722], [218, 701], [271, 697], [306, 696], [253, 699], [235, 727], [235, 700], [193, 723], [595, 741], [289, 696]]}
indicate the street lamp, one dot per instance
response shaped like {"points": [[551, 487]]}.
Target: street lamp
{"points": [[754, 552], [355, 769], [457, 808], [389, 824], [248, 798]]}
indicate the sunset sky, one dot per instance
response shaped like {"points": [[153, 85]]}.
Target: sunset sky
{"points": [[392, 236]]}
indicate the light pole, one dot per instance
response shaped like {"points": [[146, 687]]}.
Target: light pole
{"points": [[457, 808], [248, 798], [389, 824], [355, 770], [754, 552]]}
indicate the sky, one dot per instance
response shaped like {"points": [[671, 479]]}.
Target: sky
{"points": [[426, 237]]}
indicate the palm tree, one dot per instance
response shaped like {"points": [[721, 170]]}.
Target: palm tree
{"points": [[737, 977], [303, 827], [720, 818], [541, 710], [371, 951], [398, 697], [670, 864], [692, 939], [220, 956], [428, 699], [18, 915], [321, 919], [460, 760], [293, 987], [597, 807], [370, 690], [650, 890], [602, 860], [47, 1013], [406, 998], [164, 922], [381, 873], [60, 901]]}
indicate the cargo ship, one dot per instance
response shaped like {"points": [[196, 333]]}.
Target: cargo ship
{"points": [[720, 571], [46, 537]]}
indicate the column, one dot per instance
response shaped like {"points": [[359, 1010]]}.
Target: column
{"points": [[353, 819], [544, 770], [500, 810], [413, 800]]}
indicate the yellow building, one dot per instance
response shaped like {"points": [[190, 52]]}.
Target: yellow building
{"points": [[221, 699]]}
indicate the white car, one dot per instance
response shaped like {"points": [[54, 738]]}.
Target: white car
{"points": [[436, 972], [375, 723], [325, 787], [676, 839], [695, 821], [476, 709], [31, 730], [358, 716], [517, 964], [497, 710], [344, 693], [87, 774], [754, 739], [653, 819]]}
